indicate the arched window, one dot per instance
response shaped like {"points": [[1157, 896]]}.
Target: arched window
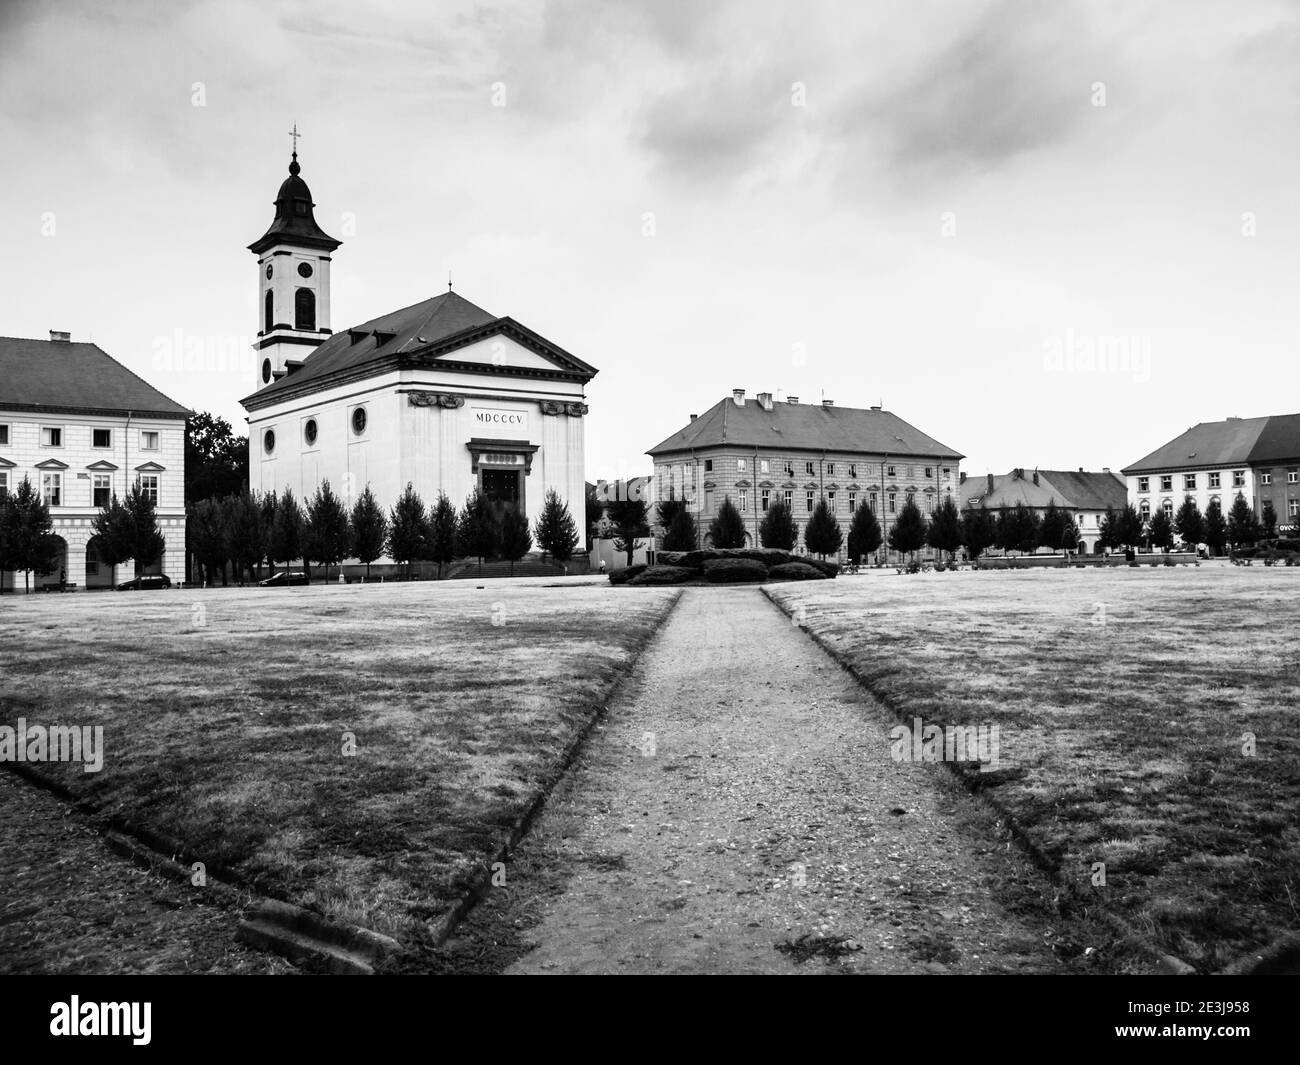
{"points": [[270, 310], [304, 309]]}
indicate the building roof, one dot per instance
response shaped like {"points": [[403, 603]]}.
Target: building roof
{"points": [[1226, 443], [1279, 441], [1086, 490], [1071, 489], [430, 328], [803, 427], [40, 375], [294, 222]]}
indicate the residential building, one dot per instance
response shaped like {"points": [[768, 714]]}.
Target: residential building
{"points": [[1258, 458], [83, 427], [1084, 495], [759, 450]]}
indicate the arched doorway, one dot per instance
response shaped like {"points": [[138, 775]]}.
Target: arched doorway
{"points": [[98, 573], [58, 570]]}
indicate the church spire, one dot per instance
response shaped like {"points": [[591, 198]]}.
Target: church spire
{"points": [[294, 222]]}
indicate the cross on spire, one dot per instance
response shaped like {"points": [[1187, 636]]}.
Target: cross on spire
{"points": [[295, 135]]}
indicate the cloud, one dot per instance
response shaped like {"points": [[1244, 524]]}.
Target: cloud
{"points": [[1014, 79]]}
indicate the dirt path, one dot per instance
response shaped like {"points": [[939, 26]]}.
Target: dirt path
{"points": [[740, 798], [70, 905]]}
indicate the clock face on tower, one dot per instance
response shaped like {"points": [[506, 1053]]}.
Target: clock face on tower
{"points": [[268, 271]]}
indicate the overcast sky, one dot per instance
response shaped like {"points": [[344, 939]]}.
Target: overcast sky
{"points": [[948, 207]]}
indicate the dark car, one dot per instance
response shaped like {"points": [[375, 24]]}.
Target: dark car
{"points": [[284, 577], [151, 580]]}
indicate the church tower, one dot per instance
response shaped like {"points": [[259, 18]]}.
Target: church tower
{"points": [[293, 276]]}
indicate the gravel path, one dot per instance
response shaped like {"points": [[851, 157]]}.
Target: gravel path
{"points": [[70, 905], [739, 812]]}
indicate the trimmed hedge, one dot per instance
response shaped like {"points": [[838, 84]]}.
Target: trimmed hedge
{"points": [[623, 576], [663, 575], [734, 570], [830, 569], [769, 556], [796, 571]]}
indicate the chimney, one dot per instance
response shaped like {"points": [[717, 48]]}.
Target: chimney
{"points": [[990, 483], [792, 400], [58, 337], [828, 403], [1080, 469], [875, 406], [765, 400], [963, 479], [1035, 476], [1105, 469], [694, 416], [738, 396]]}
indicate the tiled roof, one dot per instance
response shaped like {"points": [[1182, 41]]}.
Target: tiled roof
{"points": [[1086, 490], [1225, 443], [804, 427], [1072, 489], [1280, 440], [58, 375]]}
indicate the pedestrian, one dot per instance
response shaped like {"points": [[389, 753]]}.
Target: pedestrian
{"points": [[602, 567]]}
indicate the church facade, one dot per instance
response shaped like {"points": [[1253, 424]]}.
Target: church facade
{"points": [[441, 394]]}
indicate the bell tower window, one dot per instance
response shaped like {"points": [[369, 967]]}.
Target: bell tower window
{"points": [[304, 309], [270, 310]]}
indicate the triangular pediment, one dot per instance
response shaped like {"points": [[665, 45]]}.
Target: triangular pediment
{"points": [[499, 347], [150, 467], [103, 465], [5, 464], [52, 464]]}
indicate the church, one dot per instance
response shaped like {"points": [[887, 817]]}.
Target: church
{"points": [[441, 394]]}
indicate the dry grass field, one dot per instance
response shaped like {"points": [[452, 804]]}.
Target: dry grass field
{"points": [[1125, 701], [225, 714]]}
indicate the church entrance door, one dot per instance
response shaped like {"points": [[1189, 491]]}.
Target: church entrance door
{"points": [[503, 488]]}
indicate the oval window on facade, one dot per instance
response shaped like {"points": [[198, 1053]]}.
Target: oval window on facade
{"points": [[359, 420], [266, 371], [309, 431], [304, 270], [268, 441]]}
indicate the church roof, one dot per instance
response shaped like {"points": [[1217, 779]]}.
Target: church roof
{"points": [[294, 222], [803, 427], [429, 329], [48, 375]]}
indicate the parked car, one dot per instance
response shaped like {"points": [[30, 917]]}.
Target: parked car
{"points": [[283, 578], [145, 583]]}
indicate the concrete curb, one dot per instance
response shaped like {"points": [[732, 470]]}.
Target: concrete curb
{"points": [[443, 928], [1165, 963], [301, 936]]}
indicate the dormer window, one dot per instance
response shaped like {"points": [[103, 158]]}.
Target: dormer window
{"points": [[300, 207]]}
